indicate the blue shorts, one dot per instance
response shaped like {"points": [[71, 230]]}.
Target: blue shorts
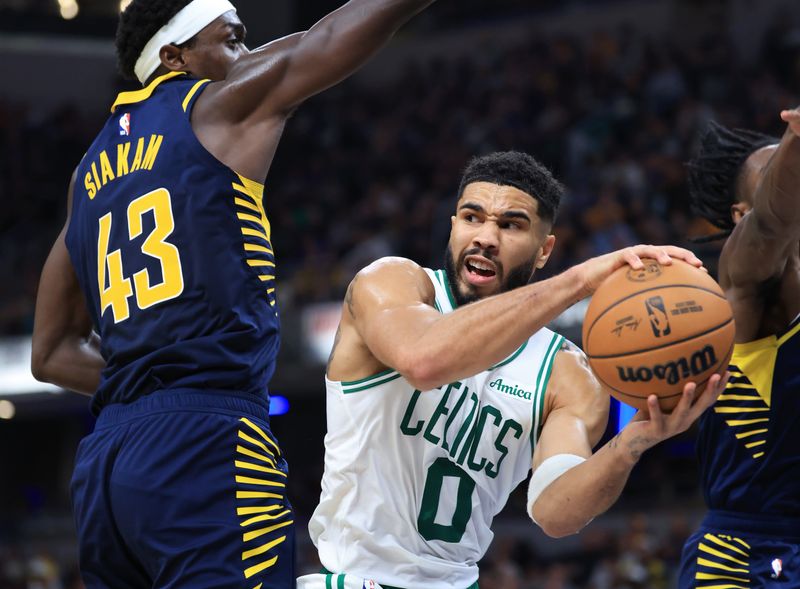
{"points": [[183, 489], [742, 550]]}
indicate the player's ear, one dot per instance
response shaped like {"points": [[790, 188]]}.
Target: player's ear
{"points": [[172, 58], [545, 250], [738, 211]]}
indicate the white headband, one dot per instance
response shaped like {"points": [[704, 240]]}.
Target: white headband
{"points": [[192, 19]]}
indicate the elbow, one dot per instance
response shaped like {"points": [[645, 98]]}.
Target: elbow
{"points": [[556, 529], [559, 531], [554, 524], [421, 371], [40, 357]]}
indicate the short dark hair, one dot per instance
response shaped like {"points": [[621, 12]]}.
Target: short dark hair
{"points": [[137, 24], [523, 172], [715, 171]]}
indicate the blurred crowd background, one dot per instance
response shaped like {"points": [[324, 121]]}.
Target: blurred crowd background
{"points": [[371, 168]]}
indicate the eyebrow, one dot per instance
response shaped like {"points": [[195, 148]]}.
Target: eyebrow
{"points": [[505, 215]]}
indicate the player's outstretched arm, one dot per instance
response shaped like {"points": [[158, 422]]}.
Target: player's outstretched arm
{"points": [[275, 80], [758, 248], [570, 485], [65, 352], [390, 306]]}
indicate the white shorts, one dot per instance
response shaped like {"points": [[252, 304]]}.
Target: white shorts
{"points": [[332, 581]]}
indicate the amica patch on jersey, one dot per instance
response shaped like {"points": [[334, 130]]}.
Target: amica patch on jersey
{"points": [[512, 388]]}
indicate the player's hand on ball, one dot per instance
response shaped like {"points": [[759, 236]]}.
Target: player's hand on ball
{"points": [[651, 426], [596, 270]]}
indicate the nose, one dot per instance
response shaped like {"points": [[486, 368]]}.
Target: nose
{"points": [[487, 236]]}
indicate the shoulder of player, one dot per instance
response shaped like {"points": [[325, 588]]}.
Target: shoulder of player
{"points": [[388, 278], [251, 78], [573, 387], [390, 272]]}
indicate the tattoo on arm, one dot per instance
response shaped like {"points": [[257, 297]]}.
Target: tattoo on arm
{"points": [[333, 349], [348, 298], [636, 447], [568, 346]]}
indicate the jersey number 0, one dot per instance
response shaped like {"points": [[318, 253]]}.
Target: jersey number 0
{"points": [[109, 264]]}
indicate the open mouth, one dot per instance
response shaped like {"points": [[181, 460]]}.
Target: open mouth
{"points": [[479, 270]]}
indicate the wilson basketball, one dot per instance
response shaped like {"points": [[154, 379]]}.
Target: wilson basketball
{"points": [[651, 331]]}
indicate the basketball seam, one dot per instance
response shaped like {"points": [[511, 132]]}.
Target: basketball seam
{"points": [[727, 355], [662, 346], [630, 296]]}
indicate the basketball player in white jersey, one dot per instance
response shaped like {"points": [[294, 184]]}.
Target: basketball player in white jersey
{"points": [[444, 389]]}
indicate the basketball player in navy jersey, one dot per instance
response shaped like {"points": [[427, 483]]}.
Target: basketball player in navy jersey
{"points": [[158, 297], [748, 185]]}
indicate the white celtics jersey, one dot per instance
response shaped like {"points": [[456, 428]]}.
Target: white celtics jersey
{"points": [[414, 478]]}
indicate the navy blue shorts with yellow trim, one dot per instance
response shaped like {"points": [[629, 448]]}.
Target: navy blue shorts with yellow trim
{"points": [[183, 489], [737, 550]]}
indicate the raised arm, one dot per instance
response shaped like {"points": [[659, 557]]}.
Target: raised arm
{"points": [[65, 352], [759, 246], [278, 77], [390, 307], [570, 485]]}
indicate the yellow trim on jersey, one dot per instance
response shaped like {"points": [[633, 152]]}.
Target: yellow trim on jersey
{"points": [[246, 204], [260, 567], [248, 452], [255, 481], [255, 190], [789, 334], [261, 433], [719, 565], [143, 94], [729, 546], [192, 92], [710, 577], [257, 495], [263, 548], [258, 467], [244, 436], [263, 518], [756, 360], [252, 535], [257, 509]]}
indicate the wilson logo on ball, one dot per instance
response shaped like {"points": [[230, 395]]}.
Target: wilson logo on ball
{"points": [[671, 372], [657, 313]]}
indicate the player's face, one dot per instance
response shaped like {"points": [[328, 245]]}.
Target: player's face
{"points": [[497, 240], [752, 173], [216, 48]]}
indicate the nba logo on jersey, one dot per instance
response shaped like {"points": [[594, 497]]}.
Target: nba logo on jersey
{"points": [[125, 124]]}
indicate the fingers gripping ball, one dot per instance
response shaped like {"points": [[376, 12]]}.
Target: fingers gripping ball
{"points": [[651, 331]]}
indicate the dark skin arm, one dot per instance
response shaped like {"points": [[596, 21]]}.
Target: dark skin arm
{"points": [[66, 351], [765, 240], [240, 120]]}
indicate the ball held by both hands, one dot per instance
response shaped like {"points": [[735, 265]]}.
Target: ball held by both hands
{"points": [[652, 330]]}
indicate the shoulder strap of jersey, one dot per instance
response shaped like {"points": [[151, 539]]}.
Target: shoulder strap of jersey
{"points": [[191, 96], [444, 302]]}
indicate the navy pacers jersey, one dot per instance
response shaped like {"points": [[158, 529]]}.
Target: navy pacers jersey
{"points": [[172, 250], [749, 442]]}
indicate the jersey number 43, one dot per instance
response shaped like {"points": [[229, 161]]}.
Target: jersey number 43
{"points": [[115, 288]]}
